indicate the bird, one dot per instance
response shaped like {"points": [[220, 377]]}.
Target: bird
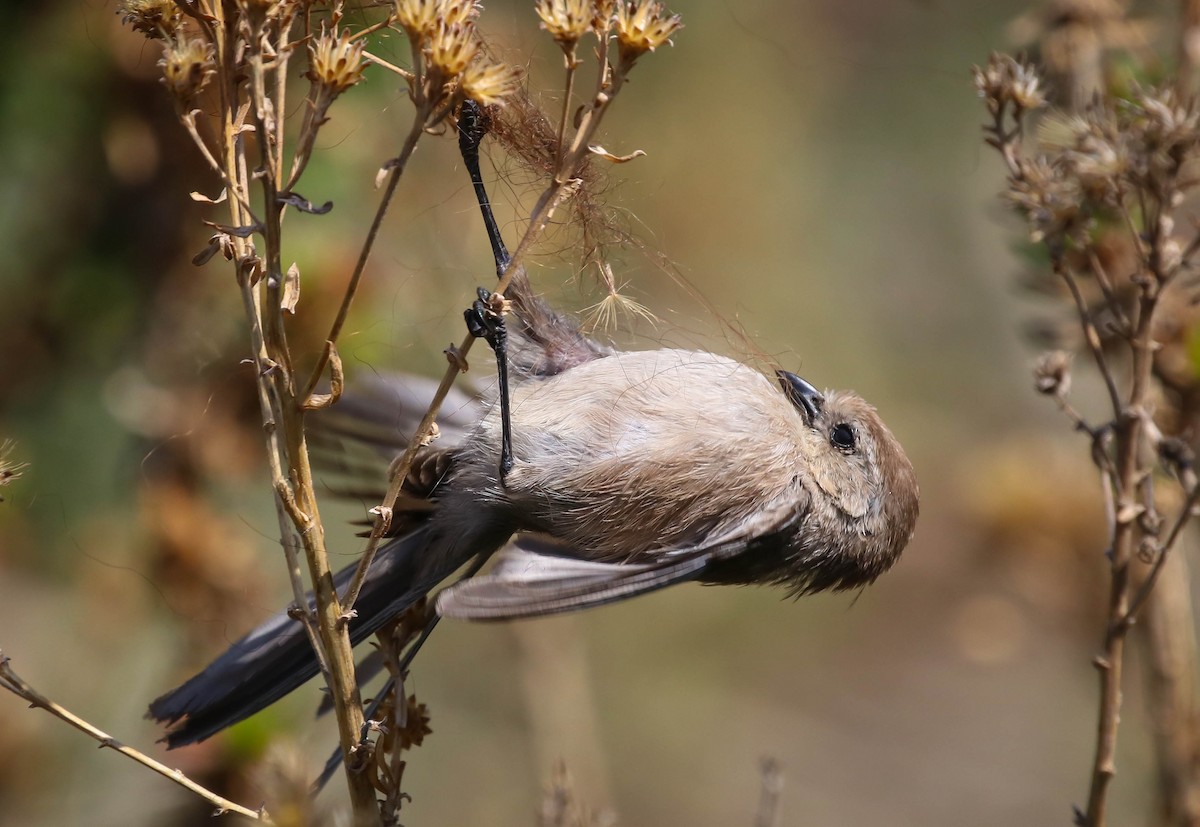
{"points": [[629, 471]]}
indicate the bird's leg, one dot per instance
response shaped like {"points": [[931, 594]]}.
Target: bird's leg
{"points": [[472, 126], [485, 320]]}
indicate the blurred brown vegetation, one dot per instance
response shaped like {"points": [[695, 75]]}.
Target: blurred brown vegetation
{"points": [[814, 171]]}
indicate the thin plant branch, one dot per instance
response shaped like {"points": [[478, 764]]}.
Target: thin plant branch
{"points": [[12, 682], [1072, 202], [385, 200], [1147, 586]]}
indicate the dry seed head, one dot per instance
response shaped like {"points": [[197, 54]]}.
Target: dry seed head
{"points": [[1005, 80], [453, 47], [419, 18], [153, 18], [1098, 164], [459, 11], [1052, 373], [1051, 199], [602, 16], [1026, 88], [643, 26], [186, 66], [1166, 122], [336, 62], [489, 83], [566, 20]]}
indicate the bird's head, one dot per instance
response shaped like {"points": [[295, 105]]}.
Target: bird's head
{"points": [[865, 494]]}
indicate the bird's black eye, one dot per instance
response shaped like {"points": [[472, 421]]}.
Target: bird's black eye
{"points": [[842, 437]]}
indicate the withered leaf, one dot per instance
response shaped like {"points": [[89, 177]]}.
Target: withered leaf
{"points": [[294, 199], [291, 289], [596, 149], [240, 232]]}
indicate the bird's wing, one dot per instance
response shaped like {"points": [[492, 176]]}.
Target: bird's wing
{"points": [[533, 578]]}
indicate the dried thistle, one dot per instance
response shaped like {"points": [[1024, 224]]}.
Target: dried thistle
{"points": [[643, 26], [187, 65], [1006, 80], [488, 82], [1166, 126], [156, 19], [420, 18], [566, 20], [336, 62], [602, 17], [460, 11], [416, 724], [452, 48]]}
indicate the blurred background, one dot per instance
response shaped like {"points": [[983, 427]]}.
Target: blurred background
{"points": [[815, 173]]}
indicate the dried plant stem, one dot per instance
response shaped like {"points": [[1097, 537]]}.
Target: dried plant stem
{"points": [[391, 67], [569, 90], [283, 499], [1148, 582], [1129, 421], [282, 411], [12, 682], [1090, 334]]}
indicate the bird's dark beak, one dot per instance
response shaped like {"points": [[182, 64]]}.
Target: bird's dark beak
{"points": [[805, 397]]}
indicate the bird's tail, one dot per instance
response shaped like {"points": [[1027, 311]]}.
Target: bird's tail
{"points": [[276, 658]]}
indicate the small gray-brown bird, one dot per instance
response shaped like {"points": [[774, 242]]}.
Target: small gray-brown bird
{"points": [[631, 471]]}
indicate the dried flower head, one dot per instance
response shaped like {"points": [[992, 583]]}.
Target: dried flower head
{"points": [[416, 725], [1098, 164], [186, 66], [1166, 123], [488, 82], [336, 62], [602, 16], [643, 26], [1052, 374], [419, 17], [1051, 199], [156, 19], [453, 47], [460, 11], [566, 20], [422, 18], [1005, 81], [1090, 147]]}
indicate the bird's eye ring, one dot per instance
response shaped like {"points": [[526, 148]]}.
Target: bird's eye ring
{"points": [[842, 437]]}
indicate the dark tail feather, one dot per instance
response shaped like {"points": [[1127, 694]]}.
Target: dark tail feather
{"points": [[276, 657]]}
